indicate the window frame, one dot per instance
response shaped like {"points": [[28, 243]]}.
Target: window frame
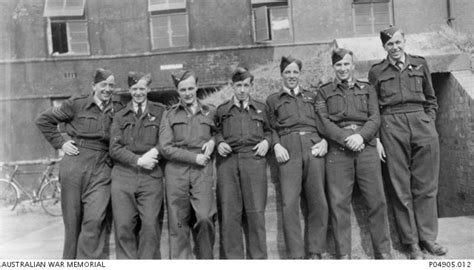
{"points": [[372, 14], [67, 21], [270, 6], [64, 11], [170, 36]]}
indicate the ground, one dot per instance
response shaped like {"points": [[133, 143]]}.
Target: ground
{"points": [[29, 233]]}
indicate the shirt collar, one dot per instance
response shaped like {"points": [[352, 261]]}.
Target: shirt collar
{"points": [[237, 102], [204, 109], [135, 106], [296, 89], [394, 62]]}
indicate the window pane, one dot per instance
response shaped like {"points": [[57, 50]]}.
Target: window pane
{"points": [[57, 8], [59, 37], [364, 29], [160, 32], [280, 24], [179, 30], [160, 43], [157, 5], [180, 41], [262, 29], [78, 37], [80, 48]]}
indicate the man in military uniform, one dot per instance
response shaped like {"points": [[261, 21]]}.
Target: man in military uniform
{"points": [[84, 171], [137, 180], [299, 151], [349, 117], [243, 139], [408, 110], [187, 142]]}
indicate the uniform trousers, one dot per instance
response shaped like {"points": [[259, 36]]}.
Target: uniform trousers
{"points": [[412, 149], [241, 201], [343, 168], [85, 195], [303, 176], [137, 202], [191, 208]]}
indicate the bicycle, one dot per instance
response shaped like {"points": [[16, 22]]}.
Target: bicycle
{"points": [[48, 192]]}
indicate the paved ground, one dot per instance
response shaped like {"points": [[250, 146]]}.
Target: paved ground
{"points": [[28, 233]]}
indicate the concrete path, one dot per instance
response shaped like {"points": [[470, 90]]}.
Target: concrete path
{"points": [[31, 234]]}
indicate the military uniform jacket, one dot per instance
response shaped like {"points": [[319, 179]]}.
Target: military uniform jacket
{"points": [[83, 120], [287, 113], [131, 136], [183, 134], [339, 106], [412, 85], [242, 130]]}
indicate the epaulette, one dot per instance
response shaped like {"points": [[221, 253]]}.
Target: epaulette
{"points": [[225, 103], [79, 96], [376, 64], [325, 84], [259, 102], [157, 104], [417, 56]]}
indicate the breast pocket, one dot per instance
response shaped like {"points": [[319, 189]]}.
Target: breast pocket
{"points": [[256, 125], [416, 80], [126, 130], [388, 86], [179, 130], [335, 102], [89, 123], [283, 109], [151, 131], [361, 98], [228, 128], [206, 126]]}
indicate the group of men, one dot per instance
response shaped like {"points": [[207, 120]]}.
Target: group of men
{"points": [[323, 141]]}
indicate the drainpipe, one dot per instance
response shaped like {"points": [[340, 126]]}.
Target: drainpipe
{"points": [[450, 18]]}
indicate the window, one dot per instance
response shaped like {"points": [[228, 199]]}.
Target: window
{"points": [[168, 23], [371, 16], [271, 20], [66, 28]]}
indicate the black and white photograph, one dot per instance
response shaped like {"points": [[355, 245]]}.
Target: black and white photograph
{"points": [[149, 131]]}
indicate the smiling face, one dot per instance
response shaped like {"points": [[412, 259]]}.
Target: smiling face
{"points": [[291, 76], [242, 89], [103, 90], [139, 91], [395, 46], [187, 90], [344, 68]]}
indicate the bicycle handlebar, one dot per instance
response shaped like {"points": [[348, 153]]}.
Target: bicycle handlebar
{"points": [[48, 161]]}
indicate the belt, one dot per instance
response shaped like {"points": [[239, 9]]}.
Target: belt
{"points": [[352, 126], [91, 144], [401, 108], [300, 132]]}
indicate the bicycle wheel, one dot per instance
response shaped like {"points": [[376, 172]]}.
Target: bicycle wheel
{"points": [[8, 194], [50, 197]]}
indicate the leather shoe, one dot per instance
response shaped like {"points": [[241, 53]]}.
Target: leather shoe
{"points": [[433, 248], [383, 256], [315, 256], [414, 252], [345, 257]]}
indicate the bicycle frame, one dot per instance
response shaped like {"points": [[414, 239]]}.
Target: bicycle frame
{"points": [[45, 178]]}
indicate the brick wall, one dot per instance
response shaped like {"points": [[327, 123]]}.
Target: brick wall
{"points": [[455, 124]]}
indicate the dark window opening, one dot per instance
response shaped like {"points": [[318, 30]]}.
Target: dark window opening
{"points": [[59, 37]]}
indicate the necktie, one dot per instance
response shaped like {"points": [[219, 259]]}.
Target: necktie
{"points": [[345, 84], [399, 65], [292, 91], [139, 111], [241, 105]]}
